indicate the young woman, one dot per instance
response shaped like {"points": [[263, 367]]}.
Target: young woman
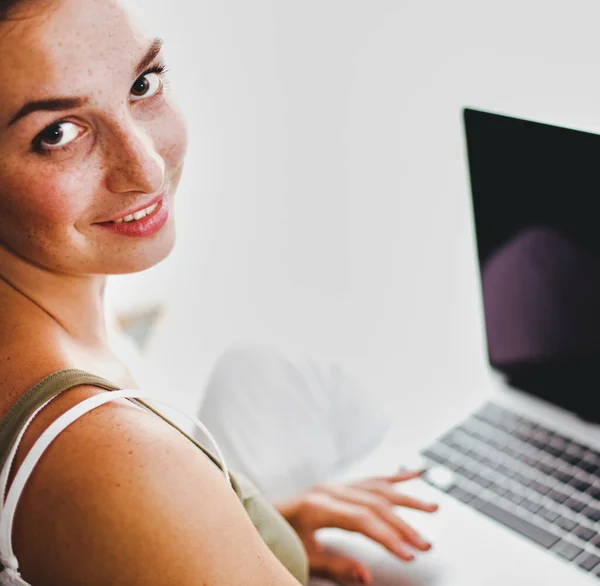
{"points": [[91, 153]]}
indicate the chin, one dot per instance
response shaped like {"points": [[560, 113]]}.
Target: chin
{"points": [[142, 255]]}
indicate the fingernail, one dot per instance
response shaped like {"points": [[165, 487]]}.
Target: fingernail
{"points": [[420, 542], [409, 557]]}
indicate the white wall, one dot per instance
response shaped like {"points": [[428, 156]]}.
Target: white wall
{"points": [[325, 205]]}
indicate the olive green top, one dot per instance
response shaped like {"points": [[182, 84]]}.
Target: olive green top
{"points": [[275, 531]]}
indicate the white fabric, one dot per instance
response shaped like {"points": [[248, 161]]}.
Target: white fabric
{"points": [[11, 456], [10, 575], [287, 423]]}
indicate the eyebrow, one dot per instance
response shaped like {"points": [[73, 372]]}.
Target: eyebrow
{"points": [[59, 104]]}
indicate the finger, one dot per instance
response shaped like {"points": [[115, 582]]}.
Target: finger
{"points": [[359, 519], [401, 476], [403, 500], [339, 568], [411, 535], [375, 514], [380, 505]]}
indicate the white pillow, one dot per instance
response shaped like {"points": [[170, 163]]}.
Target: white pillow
{"points": [[287, 422]]}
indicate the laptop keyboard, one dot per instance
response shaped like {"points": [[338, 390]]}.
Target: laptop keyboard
{"points": [[541, 484]]}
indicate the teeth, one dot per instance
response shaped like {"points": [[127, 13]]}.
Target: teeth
{"points": [[137, 215]]}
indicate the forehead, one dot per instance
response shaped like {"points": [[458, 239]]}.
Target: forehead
{"points": [[66, 47]]}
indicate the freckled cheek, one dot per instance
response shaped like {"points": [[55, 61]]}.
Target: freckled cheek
{"points": [[45, 202], [171, 139]]}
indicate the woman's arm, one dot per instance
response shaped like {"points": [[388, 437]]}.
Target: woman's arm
{"points": [[121, 498]]}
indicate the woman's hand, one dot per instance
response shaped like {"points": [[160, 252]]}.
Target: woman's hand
{"points": [[367, 507]]}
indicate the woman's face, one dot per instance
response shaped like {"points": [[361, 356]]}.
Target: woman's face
{"points": [[118, 144]]}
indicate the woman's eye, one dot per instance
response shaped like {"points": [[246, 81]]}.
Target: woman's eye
{"points": [[57, 135], [146, 86]]}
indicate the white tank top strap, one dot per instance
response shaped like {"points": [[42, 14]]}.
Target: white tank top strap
{"points": [[10, 574]]}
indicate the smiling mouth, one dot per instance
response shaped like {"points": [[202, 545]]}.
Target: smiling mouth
{"points": [[139, 214], [135, 216], [149, 221]]}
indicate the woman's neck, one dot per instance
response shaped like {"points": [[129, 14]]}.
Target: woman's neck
{"points": [[74, 303]]}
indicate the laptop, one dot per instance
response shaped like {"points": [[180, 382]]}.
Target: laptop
{"points": [[518, 479]]}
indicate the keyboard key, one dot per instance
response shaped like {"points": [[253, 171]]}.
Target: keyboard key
{"points": [[435, 456], [499, 490], [557, 496], [577, 448], [562, 437], [514, 497], [570, 459], [594, 492], [539, 441], [523, 433], [553, 451], [539, 487], [477, 457], [584, 533], [580, 485], [596, 541], [522, 479], [547, 431], [461, 449], [529, 460], [461, 494], [504, 471], [588, 562], [512, 451], [467, 428], [485, 461], [492, 410], [481, 481], [592, 514], [567, 550], [589, 467], [558, 441], [506, 426], [549, 515], [562, 476], [494, 464], [494, 443], [531, 506], [575, 505], [452, 465], [522, 526], [464, 472], [449, 439], [566, 524], [545, 467]]}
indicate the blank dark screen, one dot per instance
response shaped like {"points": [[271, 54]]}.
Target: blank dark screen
{"points": [[535, 191]]}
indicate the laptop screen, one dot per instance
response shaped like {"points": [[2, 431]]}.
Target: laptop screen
{"points": [[536, 190]]}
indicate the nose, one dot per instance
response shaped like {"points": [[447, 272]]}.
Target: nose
{"points": [[134, 162]]}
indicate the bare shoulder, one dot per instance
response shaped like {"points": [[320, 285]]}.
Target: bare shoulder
{"points": [[120, 497]]}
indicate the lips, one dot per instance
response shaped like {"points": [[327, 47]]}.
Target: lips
{"points": [[144, 227], [133, 210]]}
